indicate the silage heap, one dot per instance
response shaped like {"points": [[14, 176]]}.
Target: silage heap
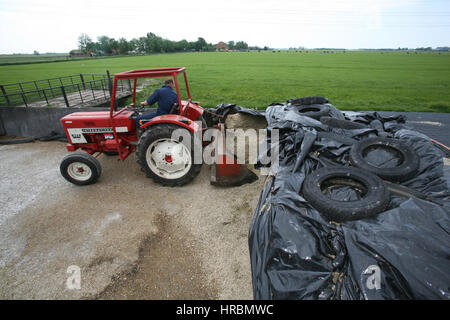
{"points": [[297, 253]]}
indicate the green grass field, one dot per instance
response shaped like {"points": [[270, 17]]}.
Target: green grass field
{"points": [[351, 81], [30, 58]]}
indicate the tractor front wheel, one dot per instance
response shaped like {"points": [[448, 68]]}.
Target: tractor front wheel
{"points": [[168, 159], [80, 168]]}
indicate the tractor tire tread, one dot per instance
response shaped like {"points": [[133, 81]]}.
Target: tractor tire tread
{"points": [[164, 130]]}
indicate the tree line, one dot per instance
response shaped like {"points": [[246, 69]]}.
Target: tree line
{"points": [[151, 43]]}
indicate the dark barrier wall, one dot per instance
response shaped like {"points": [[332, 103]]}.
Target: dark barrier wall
{"points": [[2, 129], [35, 122]]}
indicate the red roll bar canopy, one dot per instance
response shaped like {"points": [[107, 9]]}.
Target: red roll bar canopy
{"points": [[150, 73]]}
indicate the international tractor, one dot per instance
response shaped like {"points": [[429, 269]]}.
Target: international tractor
{"points": [[165, 159]]}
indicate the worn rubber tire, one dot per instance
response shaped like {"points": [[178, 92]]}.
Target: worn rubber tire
{"points": [[85, 158], [152, 134], [405, 171], [305, 101], [342, 124], [375, 200], [315, 111]]}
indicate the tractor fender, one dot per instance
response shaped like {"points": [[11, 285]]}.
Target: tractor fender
{"points": [[173, 119]]}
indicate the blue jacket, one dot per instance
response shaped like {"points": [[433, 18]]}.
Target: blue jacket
{"points": [[165, 97]]}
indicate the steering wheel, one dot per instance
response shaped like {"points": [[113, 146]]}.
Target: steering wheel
{"points": [[136, 110]]}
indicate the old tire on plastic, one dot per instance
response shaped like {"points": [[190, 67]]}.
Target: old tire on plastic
{"points": [[165, 160], [405, 170], [80, 168], [314, 111], [375, 197], [308, 101], [342, 124]]}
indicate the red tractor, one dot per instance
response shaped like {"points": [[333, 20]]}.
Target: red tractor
{"points": [[166, 160]]}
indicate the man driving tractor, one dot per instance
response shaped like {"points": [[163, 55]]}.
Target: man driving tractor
{"points": [[165, 96]]}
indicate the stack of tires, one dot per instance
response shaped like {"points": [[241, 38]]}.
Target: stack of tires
{"points": [[360, 188]]}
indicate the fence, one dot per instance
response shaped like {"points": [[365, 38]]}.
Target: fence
{"points": [[71, 91]]}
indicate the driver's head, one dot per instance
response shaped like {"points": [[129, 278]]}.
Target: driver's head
{"points": [[169, 82]]}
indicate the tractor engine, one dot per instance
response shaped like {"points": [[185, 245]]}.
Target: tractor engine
{"points": [[92, 131]]}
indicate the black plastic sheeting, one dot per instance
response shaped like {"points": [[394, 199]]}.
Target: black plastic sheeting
{"points": [[296, 253]]}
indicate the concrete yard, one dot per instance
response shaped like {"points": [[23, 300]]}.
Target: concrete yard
{"points": [[131, 238]]}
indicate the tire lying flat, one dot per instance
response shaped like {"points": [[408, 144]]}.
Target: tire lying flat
{"points": [[308, 100], [342, 124], [375, 197], [405, 170], [315, 111]]}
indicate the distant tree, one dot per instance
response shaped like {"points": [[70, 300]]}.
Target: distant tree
{"points": [[104, 44], [241, 45], [424, 49], [181, 45], [167, 46], [201, 44], [84, 42], [114, 46], [132, 45], [35, 53], [151, 43], [210, 47], [124, 46], [141, 45]]}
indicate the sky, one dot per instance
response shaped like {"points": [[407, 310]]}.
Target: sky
{"points": [[55, 25]]}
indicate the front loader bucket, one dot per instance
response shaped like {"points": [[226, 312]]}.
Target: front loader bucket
{"points": [[226, 172]]}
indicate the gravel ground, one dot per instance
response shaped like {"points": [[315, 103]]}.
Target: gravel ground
{"points": [[131, 238]]}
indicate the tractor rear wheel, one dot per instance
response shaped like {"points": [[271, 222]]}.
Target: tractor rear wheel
{"points": [[80, 168], [167, 160]]}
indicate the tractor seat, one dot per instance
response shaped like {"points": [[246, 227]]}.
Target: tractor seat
{"points": [[175, 108]]}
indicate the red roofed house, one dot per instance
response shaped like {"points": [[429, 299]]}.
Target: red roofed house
{"points": [[222, 46]]}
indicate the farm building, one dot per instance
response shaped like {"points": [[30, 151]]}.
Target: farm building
{"points": [[222, 46]]}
